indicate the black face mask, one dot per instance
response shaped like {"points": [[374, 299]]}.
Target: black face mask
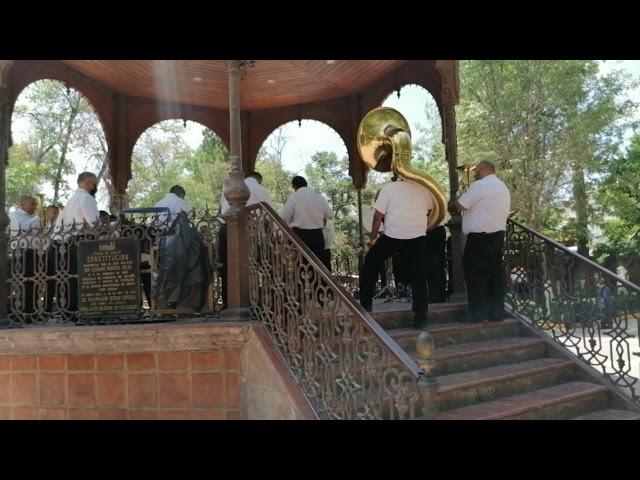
{"points": [[93, 191]]}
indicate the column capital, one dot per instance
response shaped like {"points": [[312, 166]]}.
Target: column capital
{"points": [[450, 82]]}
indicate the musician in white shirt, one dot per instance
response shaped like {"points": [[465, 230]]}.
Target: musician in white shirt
{"points": [[404, 205], [80, 211], [307, 212], [82, 207], [174, 201], [253, 181], [485, 209]]}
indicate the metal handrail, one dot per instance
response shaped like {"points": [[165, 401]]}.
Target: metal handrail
{"points": [[373, 326], [584, 307], [577, 256]]}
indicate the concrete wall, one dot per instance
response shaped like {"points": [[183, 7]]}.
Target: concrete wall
{"points": [[160, 371], [269, 391]]}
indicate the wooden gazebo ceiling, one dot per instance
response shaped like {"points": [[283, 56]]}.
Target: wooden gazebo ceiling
{"points": [[266, 84]]}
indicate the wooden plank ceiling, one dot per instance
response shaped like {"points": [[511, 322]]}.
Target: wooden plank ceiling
{"points": [[267, 84]]}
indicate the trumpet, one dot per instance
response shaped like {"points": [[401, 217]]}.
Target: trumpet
{"points": [[40, 209]]}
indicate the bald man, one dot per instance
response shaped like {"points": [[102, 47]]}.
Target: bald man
{"points": [[485, 209]]}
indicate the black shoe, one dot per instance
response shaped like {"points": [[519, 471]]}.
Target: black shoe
{"points": [[476, 320], [420, 324]]}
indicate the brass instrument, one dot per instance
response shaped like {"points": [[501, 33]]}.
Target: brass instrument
{"points": [[384, 143], [464, 173], [40, 209]]}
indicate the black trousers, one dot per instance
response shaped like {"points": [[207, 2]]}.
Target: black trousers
{"points": [[326, 258], [484, 274], [314, 239], [436, 259], [412, 254]]}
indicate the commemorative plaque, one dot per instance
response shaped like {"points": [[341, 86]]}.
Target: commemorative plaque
{"points": [[109, 277]]}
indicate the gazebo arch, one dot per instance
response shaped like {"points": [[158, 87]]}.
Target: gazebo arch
{"points": [[241, 100], [264, 138], [59, 85], [181, 120]]}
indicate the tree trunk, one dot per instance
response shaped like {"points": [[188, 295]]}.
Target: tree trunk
{"points": [[581, 203], [63, 151]]}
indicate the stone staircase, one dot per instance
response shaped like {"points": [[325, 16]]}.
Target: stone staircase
{"points": [[504, 370]]}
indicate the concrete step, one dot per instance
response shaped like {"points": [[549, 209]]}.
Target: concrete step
{"points": [[448, 334], [490, 353], [610, 414], [564, 401], [402, 316], [461, 389]]}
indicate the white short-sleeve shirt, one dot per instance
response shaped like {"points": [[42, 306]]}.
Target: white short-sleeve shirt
{"points": [[487, 202], [23, 223], [306, 210], [258, 194], [405, 205], [81, 208], [174, 203]]}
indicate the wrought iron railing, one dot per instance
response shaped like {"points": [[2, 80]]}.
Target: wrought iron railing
{"points": [[346, 364], [42, 285], [344, 267], [584, 307]]}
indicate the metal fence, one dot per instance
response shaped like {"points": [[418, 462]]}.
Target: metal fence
{"points": [[43, 282], [585, 308]]}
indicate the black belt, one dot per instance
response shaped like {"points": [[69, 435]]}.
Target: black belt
{"points": [[485, 234]]}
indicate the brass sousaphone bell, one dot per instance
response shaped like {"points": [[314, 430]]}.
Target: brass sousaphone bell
{"points": [[384, 143]]}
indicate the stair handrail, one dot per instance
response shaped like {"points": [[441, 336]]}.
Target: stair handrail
{"points": [[579, 257], [585, 307], [412, 375]]}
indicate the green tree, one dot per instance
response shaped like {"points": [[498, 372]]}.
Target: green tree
{"points": [[206, 170], [275, 178], [59, 123], [428, 149], [162, 158], [549, 126], [157, 163], [619, 196]]}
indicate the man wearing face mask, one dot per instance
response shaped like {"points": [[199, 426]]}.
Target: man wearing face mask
{"points": [[81, 209], [82, 206], [485, 208]]}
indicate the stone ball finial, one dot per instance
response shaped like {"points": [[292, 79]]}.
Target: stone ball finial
{"points": [[425, 347]]}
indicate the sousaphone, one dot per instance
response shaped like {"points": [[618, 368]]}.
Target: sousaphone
{"points": [[384, 142]]}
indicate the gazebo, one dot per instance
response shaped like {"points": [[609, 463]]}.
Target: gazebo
{"points": [[242, 101]]}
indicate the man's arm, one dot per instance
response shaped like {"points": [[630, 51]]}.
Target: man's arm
{"points": [[455, 206], [466, 200], [90, 212], [287, 211], [377, 220]]}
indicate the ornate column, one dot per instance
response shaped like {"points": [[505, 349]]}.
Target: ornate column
{"points": [[237, 194], [4, 157], [450, 97]]}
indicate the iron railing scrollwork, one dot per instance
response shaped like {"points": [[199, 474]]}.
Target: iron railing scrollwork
{"points": [[346, 364], [43, 267], [584, 307]]}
